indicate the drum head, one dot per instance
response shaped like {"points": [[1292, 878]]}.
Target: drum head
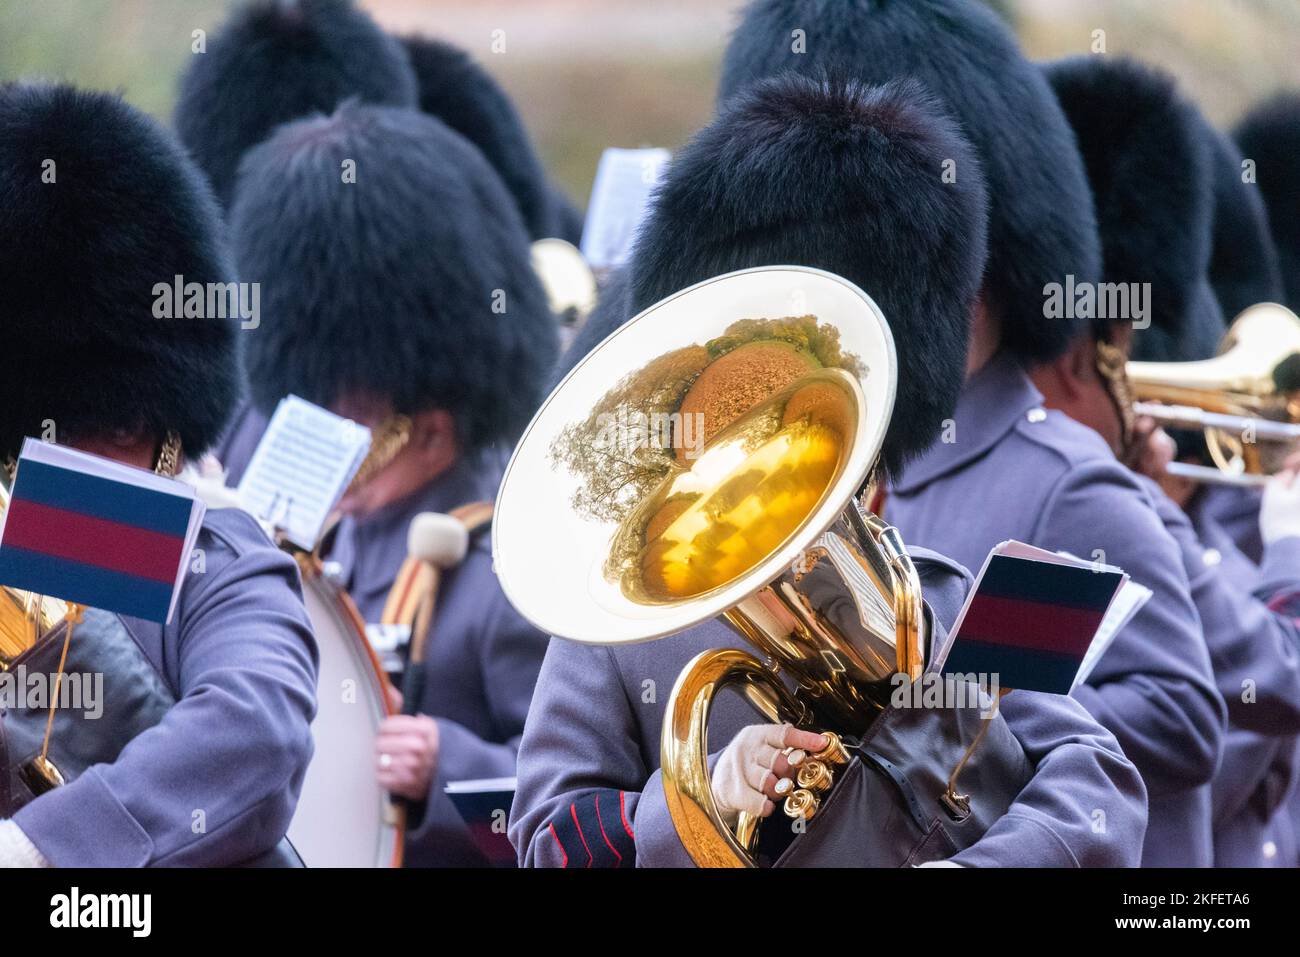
{"points": [[343, 817]]}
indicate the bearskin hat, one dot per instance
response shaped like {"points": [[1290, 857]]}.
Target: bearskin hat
{"points": [[408, 280], [102, 215], [1041, 223], [1243, 261], [278, 60], [466, 97], [1150, 168], [1269, 135], [843, 177]]}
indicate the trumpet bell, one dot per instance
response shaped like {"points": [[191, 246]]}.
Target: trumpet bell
{"points": [[1254, 379], [665, 499]]}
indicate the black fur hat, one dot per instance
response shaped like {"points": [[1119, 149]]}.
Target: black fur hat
{"points": [[465, 96], [1270, 136], [1041, 224], [278, 60], [98, 205], [612, 309], [569, 219], [412, 283], [1149, 166], [1243, 263], [843, 177]]}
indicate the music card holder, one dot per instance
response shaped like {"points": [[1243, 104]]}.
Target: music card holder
{"points": [[97, 533], [484, 806], [1039, 620], [620, 199], [301, 468]]}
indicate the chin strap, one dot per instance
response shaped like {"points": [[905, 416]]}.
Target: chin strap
{"points": [[386, 440], [1112, 366], [168, 462]]}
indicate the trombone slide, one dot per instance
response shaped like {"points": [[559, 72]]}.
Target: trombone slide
{"points": [[1189, 416], [1209, 475]]}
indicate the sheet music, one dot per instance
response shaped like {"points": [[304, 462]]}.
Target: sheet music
{"points": [[480, 786], [620, 199], [1127, 603], [301, 468]]}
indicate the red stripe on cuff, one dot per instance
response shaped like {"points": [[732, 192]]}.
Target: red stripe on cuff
{"points": [[563, 853], [601, 824], [622, 812], [573, 810]]}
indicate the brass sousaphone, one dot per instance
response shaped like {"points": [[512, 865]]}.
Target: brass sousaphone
{"points": [[708, 459]]}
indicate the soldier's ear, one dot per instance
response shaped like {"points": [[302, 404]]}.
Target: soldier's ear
{"points": [[1065, 379], [433, 434]]}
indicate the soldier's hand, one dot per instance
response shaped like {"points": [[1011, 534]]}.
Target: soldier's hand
{"points": [[1151, 450], [746, 775], [1279, 515], [406, 754]]}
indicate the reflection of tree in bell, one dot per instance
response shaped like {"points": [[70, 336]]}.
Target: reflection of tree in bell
{"points": [[613, 452], [805, 333], [609, 451], [726, 531]]}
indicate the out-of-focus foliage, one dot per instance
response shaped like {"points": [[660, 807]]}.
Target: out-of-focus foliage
{"points": [[593, 73]]}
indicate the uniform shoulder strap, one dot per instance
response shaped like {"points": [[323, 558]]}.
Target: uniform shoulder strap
{"points": [[416, 581], [475, 516]]}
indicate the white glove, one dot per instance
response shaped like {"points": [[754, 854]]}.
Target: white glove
{"points": [[207, 477], [745, 776], [1279, 515], [939, 864], [16, 850]]}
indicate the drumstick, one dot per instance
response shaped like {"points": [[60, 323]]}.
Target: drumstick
{"points": [[440, 541]]}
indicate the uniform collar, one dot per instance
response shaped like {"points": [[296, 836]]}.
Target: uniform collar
{"points": [[369, 549], [993, 400], [461, 484]]}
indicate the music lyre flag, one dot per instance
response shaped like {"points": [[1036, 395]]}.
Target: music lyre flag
{"points": [[1033, 616], [97, 533]]}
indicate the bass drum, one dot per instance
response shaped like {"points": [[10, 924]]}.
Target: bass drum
{"points": [[344, 818]]}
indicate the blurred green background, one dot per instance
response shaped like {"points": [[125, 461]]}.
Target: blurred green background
{"points": [[587, 74]]}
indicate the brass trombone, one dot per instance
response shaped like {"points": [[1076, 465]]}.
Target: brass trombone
{"points": [[787, 376], [1246, 399]]}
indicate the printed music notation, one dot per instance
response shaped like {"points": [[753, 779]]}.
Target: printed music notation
{"points": [[301, 468]]}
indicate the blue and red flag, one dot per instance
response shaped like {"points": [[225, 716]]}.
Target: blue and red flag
{"points": [[1031, 623], [94, 540]]}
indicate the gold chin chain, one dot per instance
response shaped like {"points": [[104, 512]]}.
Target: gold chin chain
{"points": [[169, 455], [389, 438], [1112, 365]]}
